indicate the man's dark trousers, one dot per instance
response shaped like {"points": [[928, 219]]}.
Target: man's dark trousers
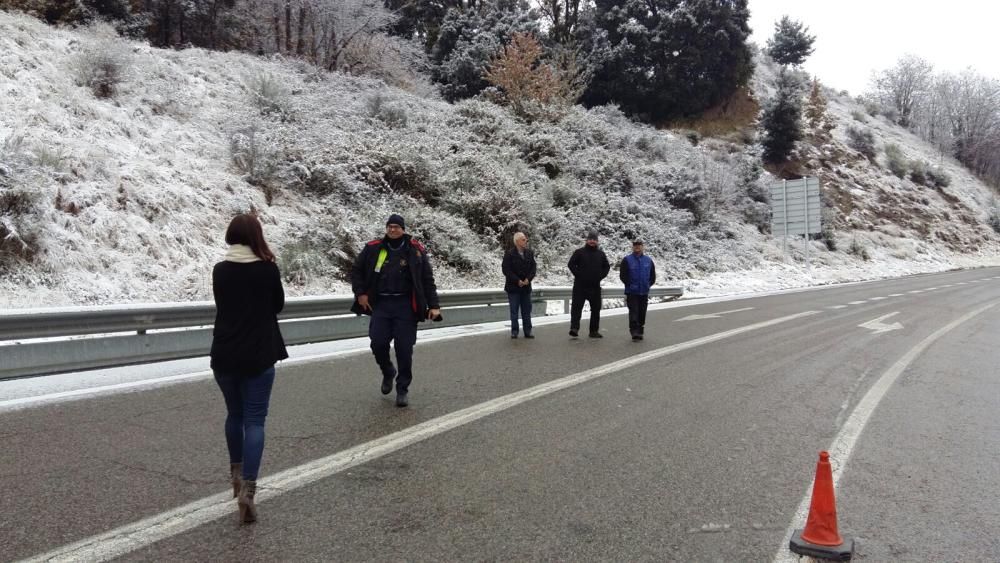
{"points": [[637, 305], [591, 295], [393, 320]]}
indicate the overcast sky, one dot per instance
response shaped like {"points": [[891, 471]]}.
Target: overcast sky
{"points": [[855, 37]]}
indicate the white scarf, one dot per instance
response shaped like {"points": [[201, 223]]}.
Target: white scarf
{"points": [[241, 254]]}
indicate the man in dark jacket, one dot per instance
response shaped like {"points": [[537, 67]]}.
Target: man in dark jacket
{"points": [[518, 271], [393, 282], [638, 274], [589, 266]]}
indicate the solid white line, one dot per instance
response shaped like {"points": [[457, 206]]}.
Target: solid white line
{"points": [[134, 536], [843, 444]]}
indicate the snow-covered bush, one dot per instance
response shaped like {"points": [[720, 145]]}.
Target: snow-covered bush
{"points": [[938, 177], [895, 160], [862, 140], [381, 107], [269, 95], [402, 172], [253, 155], [859, 250], [102, 65], [918, 172]]}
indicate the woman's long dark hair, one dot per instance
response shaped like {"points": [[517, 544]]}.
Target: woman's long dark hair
{"points": [[246, 229]]}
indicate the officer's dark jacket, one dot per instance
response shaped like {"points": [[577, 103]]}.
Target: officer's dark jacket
{"points": [[589, 266], [516, 268], [248, 297], [364, 278]]}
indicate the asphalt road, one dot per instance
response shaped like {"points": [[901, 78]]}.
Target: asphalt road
{"points": [[702, 451]]}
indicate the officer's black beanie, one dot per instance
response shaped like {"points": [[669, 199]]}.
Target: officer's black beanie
{"points": [[396, 219]]}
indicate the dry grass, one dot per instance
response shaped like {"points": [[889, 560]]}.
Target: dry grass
{"points": [[732, 120]]}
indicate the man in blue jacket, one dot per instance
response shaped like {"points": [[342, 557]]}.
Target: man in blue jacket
{"points": [[393, 282], [638, 274]]}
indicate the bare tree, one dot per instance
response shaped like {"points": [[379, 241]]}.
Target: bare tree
{"points": [[563, 16], [904, 86]]}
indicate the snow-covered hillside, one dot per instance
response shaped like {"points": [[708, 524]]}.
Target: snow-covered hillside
{"points": [[125, 199]]}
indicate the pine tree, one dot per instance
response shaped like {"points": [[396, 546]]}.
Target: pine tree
{"points": [[469, 38], [791, 44], [662, 59], [782, 120], [819, 121]]}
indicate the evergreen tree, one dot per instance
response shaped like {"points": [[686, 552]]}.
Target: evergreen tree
{"points": [[782, 120], [819, 121], [791, 44], [420, 19], [470, 38], [662, 59]]}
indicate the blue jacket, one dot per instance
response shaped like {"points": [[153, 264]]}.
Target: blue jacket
{"points": [[637, 273]]}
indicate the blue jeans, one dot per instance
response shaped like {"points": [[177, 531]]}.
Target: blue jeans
{"points": [[520, 300], [247, 398]]}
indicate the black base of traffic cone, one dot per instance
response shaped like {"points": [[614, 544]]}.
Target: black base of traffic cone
{"points": [[842, 552]]}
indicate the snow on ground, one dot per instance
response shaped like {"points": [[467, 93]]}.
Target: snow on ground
{"points": [[130, 195]]}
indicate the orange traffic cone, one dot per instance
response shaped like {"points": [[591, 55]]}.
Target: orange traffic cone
{"points": [[820, 538]]}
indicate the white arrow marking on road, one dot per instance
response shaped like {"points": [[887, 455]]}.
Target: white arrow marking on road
{"points": [[879, 327], [711, 315]]}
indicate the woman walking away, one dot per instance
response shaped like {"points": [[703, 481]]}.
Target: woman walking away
{"points": [[246, 344]]}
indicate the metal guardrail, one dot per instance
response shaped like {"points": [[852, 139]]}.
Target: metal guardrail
{"points": [[47, 341]]}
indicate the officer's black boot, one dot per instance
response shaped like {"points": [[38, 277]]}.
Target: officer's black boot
{"points": [[387, 379]]}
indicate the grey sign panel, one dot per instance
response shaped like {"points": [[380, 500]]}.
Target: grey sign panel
{"points": [[795, 207]]}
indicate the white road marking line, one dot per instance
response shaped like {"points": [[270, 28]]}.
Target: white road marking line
{"points": [[931, 288], [843, 444], [137, 535], [837, 307], [895, 295], [877, 298], [916, 291], [961, 283], [945, 286], [857, 302], [711, 315]]}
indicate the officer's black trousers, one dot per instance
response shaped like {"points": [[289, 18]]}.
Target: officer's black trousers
{"points": [[591, 295], [393, 322]]}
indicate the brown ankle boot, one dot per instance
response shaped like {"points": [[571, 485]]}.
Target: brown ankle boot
{"points": [[236, 475], [248, 512]]}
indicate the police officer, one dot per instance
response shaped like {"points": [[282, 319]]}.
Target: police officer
{"points": [[638, 274], [393, 282]]}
